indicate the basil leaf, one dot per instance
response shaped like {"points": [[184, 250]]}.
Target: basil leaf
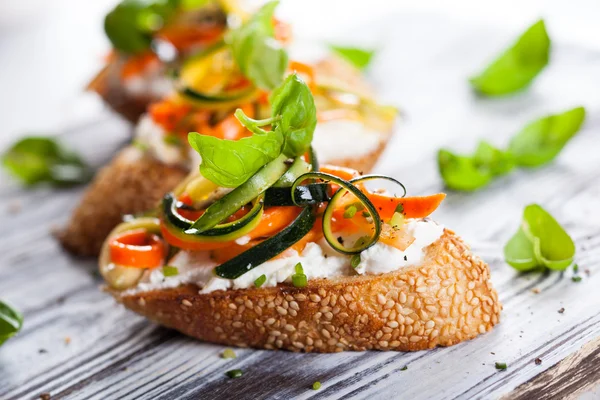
{"points": [[41, 159], [517, 66], [519, 252], [229, 163], [11, 322], [468, 173], [540, 242], [461, 172], [360, 58], [260, 57], [294, 102], [130, 25], [541, 141]]}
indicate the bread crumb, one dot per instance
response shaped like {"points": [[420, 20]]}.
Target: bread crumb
{"points": [[67, 340], [536, 290], [561, 310], [45, 396]]}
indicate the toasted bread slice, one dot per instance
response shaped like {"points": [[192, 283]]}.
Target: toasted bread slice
{"points": [[132, 183], [445, 300]]}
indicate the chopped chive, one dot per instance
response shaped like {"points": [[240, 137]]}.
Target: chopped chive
{"points": [[355, 260], [501, 366], [234, 373], [575, 268], [316, 385], [299, 269], [260, 281], [169, 270], [404, 368], [399, 208], [366, 214], [141, 146], [350, 212], [173, 140], [358, 205], [576, 279], [299, 280], [228, 353]]}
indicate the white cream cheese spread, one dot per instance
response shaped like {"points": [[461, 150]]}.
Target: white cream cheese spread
{"points": [[318, 261]]}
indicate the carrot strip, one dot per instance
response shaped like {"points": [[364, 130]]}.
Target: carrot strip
{"points": [[137, 249], [304, 69], [413, 207], [135, 65], [340, 172]]}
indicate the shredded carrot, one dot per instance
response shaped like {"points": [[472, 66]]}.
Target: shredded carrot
{"points": [[169, 113], [413, 207], [137, 249], [304, 69], [135, 65], [230, 128], [186, 36], [340, 172], [283, 30]]}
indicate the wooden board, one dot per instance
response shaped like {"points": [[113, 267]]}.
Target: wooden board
{"points": [[78, 344]]}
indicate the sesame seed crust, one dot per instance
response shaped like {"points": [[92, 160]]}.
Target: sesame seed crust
{"points": [[444, 301]]}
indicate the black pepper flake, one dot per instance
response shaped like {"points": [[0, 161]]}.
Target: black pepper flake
{"points": [[561, 310], [405, 258], [340, 240], [537, 361], [42, 351], [289, 161]]}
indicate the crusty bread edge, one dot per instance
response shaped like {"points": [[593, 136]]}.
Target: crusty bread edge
{"points": [[444, 301]]}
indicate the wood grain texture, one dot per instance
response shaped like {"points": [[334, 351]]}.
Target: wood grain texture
{"points": [[112, 353], [577, 374]]}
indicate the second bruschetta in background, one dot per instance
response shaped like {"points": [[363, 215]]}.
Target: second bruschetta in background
{"points": [[352, 128]]}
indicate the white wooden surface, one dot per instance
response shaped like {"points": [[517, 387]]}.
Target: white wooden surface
{"points": [[113, 353]]}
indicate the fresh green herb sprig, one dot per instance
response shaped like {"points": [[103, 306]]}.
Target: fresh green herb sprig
{"points": [[229, 163], [11, 322], [518, 66], [360, 58], [535, 145], [38, 159], [540, 242], [260, 57]]}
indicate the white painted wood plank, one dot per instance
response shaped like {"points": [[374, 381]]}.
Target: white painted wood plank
{"points": [[115, 354]]}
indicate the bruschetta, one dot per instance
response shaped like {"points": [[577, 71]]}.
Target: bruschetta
{"points": [[352, 131], [296, 255]]}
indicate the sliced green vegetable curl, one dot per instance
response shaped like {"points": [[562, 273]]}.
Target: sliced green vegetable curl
{"points": [[345, 187]]}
